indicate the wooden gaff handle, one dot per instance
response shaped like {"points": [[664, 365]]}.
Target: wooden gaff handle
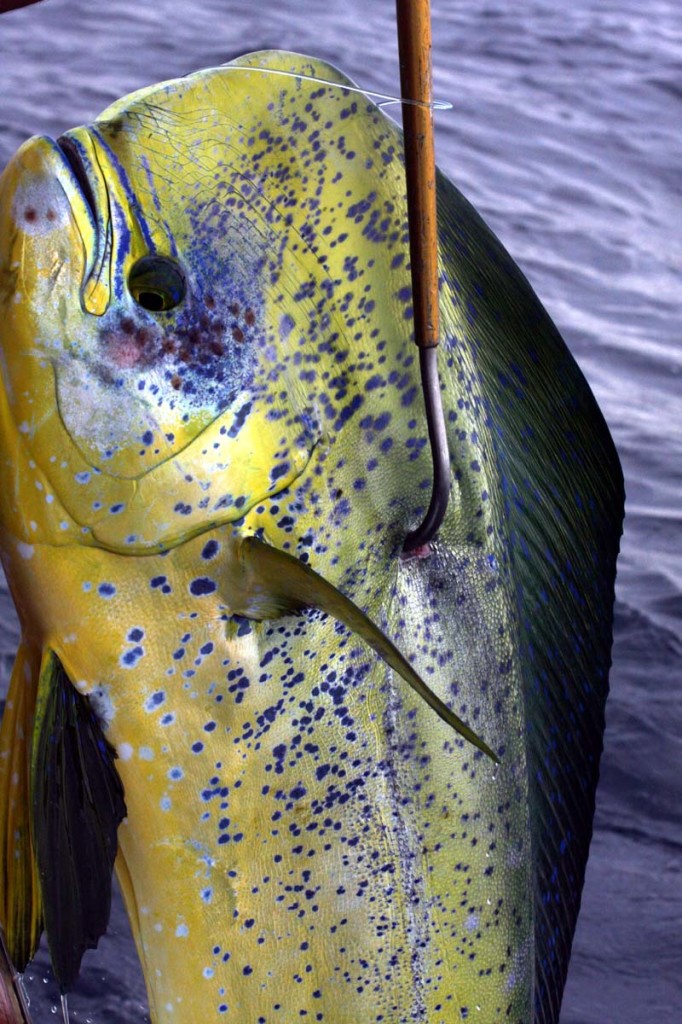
{"points": [[414, 47]]}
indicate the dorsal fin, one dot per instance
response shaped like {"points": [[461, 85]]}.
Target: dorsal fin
{"points": [[561, 499], [77, 805]]}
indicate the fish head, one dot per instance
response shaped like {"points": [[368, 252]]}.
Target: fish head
{"points": [[144, 332], [178, 334]]}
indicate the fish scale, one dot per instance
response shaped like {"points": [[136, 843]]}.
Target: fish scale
{"points": [[303, 836]]}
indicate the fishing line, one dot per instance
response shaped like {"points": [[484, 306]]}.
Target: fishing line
{"points": [[386, 99]]}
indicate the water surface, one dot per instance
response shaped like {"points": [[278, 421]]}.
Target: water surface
{"points": [[565, 134]]}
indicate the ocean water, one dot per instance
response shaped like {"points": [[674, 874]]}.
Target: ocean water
{"points": [[565, 134]]}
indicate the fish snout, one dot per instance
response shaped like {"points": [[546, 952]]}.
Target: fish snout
{"points": [[46, 220]]}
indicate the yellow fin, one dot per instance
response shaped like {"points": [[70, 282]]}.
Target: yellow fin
{"points": [[274, 583], [20, 901]]}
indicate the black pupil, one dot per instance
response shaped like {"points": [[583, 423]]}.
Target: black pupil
{"points": [[157, 283], [150, 300]]}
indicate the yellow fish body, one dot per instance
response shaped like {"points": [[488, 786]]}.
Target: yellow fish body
{"points": [[207, 367]]}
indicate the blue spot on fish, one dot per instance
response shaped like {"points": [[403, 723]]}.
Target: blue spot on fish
{"points": [[155, 700], [210, 550], [202, 585], [131, 658]]}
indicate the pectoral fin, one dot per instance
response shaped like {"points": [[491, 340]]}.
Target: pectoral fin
{"points": [[77, 806], [275, 583]]}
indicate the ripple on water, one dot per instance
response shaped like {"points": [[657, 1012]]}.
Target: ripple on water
{"points": [[565, 134]]}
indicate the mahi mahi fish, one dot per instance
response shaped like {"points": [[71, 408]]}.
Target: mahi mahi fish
{"points": [[212, 446]]}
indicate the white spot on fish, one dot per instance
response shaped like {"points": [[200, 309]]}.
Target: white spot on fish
{"points": [[182, 931], [471, 922], [25, 550], [146, 754], [124, 751], [24, 428], [102, 704]]}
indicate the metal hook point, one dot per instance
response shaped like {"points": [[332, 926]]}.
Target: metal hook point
{"points": [[440, 454]]}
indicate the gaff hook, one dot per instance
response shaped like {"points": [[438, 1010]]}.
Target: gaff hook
{"points": [[414, 46]]}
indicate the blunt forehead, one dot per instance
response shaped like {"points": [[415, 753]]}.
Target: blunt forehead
{"points": [[248, 118]]}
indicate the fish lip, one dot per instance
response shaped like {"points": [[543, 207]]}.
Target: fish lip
{"points": [[70, 152]]}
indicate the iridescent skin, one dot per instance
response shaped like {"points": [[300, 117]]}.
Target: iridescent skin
{"points": [[304, 836]]}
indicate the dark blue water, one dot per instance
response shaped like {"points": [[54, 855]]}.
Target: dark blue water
{"points": [[566, 135]]}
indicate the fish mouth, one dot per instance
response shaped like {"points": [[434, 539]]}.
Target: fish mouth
{"points": [[73, 157]]}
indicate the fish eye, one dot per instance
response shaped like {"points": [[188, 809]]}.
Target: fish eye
{"points": [[157, 283]]}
